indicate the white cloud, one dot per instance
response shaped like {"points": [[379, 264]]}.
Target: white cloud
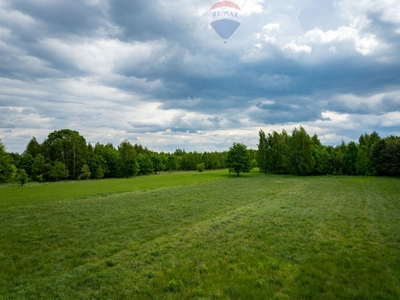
{"points": [[250, 7], [271, 30], [295, 48], [363, 43]]}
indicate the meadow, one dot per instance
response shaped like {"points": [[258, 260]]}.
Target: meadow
{"points": [[206, 235]]}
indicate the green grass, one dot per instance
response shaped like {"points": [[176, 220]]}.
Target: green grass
{"points": [[202, 236], [34, 193]]}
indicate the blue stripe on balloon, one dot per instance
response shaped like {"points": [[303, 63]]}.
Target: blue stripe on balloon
{"points": [[225, 27]]}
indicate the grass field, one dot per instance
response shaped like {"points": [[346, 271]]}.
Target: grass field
{"points": [[202, 236]]}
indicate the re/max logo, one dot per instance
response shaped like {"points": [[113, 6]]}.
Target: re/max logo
{"points": [[225, 14]]}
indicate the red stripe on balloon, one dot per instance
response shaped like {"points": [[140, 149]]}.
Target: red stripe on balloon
{"points": [[225, 4]]}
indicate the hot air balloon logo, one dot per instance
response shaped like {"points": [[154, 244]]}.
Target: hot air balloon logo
{"points": [[225, 18]]}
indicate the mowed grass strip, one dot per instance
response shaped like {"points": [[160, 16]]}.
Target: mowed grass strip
{"points": [[34, 193], [252, 237]]}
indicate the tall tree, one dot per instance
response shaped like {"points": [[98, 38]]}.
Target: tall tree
{"points": [[378, 158], [350, 158], [145, 164], [129, 165], [112, 158], [277, 154], [392, 156], [5, 164], [33, 148], [238, 159], [262, 152], [98, 166], [26, 162], [361, 163], [301, 160], [171, 164], [68, 147], [322, 160], [157, 163], [40, 168]]}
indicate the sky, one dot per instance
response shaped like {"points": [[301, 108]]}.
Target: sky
{"points": [[157, 74]]}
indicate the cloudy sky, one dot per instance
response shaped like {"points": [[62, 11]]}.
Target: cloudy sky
{"points": [[156, 73]]}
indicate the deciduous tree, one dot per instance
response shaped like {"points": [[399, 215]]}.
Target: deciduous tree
{"points": [[59, 171], [33, 148], [157, 163], [129, 166], [301, 161], [145, 164], [68, 147], [5, 164], [238, 160], [361, 162], [171, 164], [262, 152]]}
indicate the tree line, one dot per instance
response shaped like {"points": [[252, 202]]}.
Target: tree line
{"points": [[298, 153], [65, 154]]}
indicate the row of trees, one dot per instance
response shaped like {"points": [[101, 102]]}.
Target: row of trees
{"points": [[300, 154], [65, 154]]}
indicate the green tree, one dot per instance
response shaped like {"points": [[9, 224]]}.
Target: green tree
{"points": [[33, 148], [68, 147], [361, 162], [200, 167], [379, 157], [238, 159], [392, 156], [157, 163], [262, 152], [112, 158], [40, 168], [26, 162], [171, 164], [129, 166], [301, 160], [277, 153], [22, 177], [322, 160], [98, 166], [336, 159], [350, 158], [321, 156], [85, 172], [98, 173], [59, 171], [145, 164], [5, 164]]}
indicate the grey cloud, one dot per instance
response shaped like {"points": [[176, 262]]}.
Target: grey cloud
{"points": [[216, 121], [61, 17], [185, 69], [283, 111], [143, 21]]}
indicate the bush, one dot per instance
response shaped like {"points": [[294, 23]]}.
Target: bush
{"points": [[22, 177], [39, 178], [200, 167]]}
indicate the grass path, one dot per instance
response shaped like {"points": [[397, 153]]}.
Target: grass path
{"points": [[252, 237]]}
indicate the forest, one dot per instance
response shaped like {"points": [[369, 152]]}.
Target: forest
{"points": [[65, 154]]}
